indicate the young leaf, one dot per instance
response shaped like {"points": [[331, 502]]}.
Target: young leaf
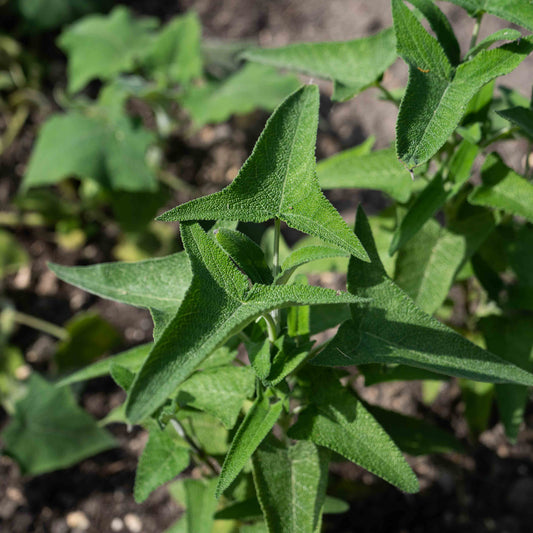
{"points": [[164, 457], [516, 11], [427, 266], [254, 428], [247, 255], [415, 436], [219, 391], [218, 304], [287, 360], [437, 96], [252, 87], [48, 431], [337, 420], [291, 484], [511, 339], [351, 65], [379, 170], [279, 180], [503, 188], [159, 283], [507, 34], [259, 354], [122, 376], [101, 46], [392, 329], [175, 52], [131, 359]]}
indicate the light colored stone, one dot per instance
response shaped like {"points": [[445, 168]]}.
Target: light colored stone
{"points": [[78, 520], [117, 524], [133, 523]]}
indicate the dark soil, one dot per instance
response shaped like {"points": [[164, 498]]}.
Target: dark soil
{"points": [[490, 489]]}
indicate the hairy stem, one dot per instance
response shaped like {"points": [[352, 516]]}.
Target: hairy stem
{"points": [[40, 325], [271, 327]]}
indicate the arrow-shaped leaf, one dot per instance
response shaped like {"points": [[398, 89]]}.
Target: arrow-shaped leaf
{"points": [[291, 484], [337, 420], [279, 180], [392, 329], [218, 304]]}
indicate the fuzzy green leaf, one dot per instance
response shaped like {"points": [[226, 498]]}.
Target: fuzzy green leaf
{"points": [[379, 170], [427, 266], [159, 283], [218, 391], [337, 420], [521, 117], [442, 28], [507, 34], [437, 96], [175, 52], [101, 46], [511, 339], [351, 65], [503, 188], [392, 329], [516, 11], [247, 255], [291, 484], [415, 436], [287, 359], [254, 428], [49, 431], [279, 180], [250, 88], [164, 457], [112, 153], [218, 304]]}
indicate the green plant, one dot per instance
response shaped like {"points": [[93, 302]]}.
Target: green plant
{"points": [[292, 410]]}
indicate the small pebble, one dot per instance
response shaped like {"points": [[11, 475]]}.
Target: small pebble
{"points": [[117, 524], [78, 520], [15, 495], [133, 523]]}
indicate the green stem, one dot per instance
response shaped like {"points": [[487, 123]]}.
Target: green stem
{"points": [[271, 327], [387, 94], [40, 325], [475, 31]]}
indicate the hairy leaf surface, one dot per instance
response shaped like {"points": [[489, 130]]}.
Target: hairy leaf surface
{"points": [[337, 420], [279, 180], [379, 170], [392, 329], [351, 65], [218, 304], [437, 95], [164, 457], [254, 428], [291, 484]]}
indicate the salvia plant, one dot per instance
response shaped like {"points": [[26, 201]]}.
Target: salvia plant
{"points": [[235, 380]]}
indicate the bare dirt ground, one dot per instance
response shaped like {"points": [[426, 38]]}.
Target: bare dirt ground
{"points": [[491, 489]]}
